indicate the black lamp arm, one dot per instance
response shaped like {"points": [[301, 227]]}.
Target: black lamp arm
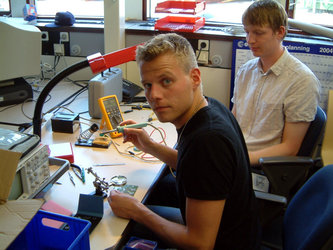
{"points": [[37, 119], [97, 63]]}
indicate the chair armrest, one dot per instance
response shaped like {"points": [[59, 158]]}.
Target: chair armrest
{"points": [[271, 197], [286, 174], [285, 160]]}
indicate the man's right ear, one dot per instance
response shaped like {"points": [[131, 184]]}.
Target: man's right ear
{"points": [[282, 32], [195, 75]]}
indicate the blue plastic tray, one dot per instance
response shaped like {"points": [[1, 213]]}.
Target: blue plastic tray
{"points": [[73, 235]]}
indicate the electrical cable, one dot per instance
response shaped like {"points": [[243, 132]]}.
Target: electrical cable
{"points": [[75, 95], [37, 119], [21, 142], [140, 155], [21, 126], [97, 63], [198, 56], [8, 107]]}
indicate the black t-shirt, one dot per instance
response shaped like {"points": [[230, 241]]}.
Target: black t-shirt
{"points": [[213, 164]]}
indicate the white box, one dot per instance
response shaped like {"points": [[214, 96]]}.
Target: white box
{"points": [[108, 83]]}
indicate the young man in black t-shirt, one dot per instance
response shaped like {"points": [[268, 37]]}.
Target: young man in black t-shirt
{"points": [[213, 179]]}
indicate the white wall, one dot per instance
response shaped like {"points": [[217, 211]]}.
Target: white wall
{"points": [[64, 62], [216, 81], [17, 7], [133, 9]]}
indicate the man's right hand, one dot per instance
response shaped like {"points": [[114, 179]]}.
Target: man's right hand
{"points": [[138, 136]]}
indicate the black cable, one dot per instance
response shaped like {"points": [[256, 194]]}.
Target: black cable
{"points": [[21, 126], [74, 96], [37, 119], [199, 53], [21, 142], [8, 107], [77, 82]]}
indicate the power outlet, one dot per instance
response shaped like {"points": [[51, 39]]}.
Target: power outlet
{"points": [[75, 50], [64, 37], [45, 36], [59, 49], [203, 56], [203, 45]]}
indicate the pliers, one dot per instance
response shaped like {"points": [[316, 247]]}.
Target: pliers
{"points": [[140, 106], [79, 172]]}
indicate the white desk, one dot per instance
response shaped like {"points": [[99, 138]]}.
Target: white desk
{"points": [[138, 172]]}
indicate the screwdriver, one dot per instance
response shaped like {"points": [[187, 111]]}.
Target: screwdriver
{"points": [[120, 129]]}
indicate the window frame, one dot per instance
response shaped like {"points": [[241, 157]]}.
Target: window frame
{"points": [[290, 12], [146, 3]]}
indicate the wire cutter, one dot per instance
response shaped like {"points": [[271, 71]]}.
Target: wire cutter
{"points": [[79, 172]]}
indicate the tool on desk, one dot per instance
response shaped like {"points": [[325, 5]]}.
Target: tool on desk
{"points": [[98, 142], [141, 106], [108, 164], [111, 114], [101, 185], [83, 175], [71, 178], [150, 118], [120, 129], [79, 172], [85, 135]]}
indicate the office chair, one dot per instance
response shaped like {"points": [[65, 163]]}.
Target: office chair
{"points": [[308, 220], [327, 146], [286, 174]]}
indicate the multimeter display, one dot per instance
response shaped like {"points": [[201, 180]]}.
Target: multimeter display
{"points": [[112, 116], [112, 111]]}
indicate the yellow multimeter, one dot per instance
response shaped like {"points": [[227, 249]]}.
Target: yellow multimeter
{"points": [[111, 113]]}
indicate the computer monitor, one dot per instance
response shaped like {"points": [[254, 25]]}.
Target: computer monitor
{"points": [[20, 54], [5, 9]]}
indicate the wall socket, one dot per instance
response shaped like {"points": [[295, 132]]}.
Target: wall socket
{"points": [[203, 56], [45, 36], [64, 36], [59, 49], [203, 51], [203, 45]]}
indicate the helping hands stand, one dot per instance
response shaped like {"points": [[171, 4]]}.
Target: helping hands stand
{"points": [[101, 185]]}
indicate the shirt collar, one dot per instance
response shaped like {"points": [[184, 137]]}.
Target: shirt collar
{"points": [[278, 65]]}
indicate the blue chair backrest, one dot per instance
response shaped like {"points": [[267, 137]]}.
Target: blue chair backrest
{"points": [[308, 221], [313, 135]]}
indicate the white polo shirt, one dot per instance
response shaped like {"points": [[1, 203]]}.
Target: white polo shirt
{"points": [[287, 92]]}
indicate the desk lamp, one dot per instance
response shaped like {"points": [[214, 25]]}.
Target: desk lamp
{"points": [[97, 62]]}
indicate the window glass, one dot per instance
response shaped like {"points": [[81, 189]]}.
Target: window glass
{"points": [[4, 7], [230, 11], [216, 11], [314, 11], [227, 11], [79, 8]]}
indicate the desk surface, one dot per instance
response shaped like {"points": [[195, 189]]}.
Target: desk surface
{"points": [[138, 172]]}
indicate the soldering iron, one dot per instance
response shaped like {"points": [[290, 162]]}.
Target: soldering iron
{"points": [[120, 129]]}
